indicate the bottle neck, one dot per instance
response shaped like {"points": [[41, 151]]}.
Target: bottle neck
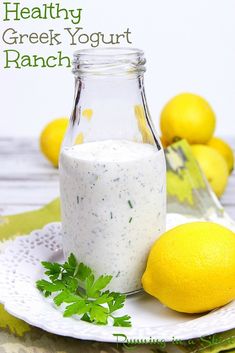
{"points": [[117, 89], [110, 101]]}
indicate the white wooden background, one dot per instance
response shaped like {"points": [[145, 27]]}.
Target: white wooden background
{"points": [[28, 181]]}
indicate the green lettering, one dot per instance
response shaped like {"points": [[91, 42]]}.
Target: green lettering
{"points": [[12, 60], [26, 61], [39, 59], [51, 7], [76, 18], [66, 58], [54, 58], [36, 13], [25, 13], [124, 337], [62, 11], [8, 11]]}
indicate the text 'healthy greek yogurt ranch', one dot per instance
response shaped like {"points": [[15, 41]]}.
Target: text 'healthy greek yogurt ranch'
{"points": [[113, 204], [112, 168]]}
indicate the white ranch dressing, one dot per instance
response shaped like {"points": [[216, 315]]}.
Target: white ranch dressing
{"points": [[113, 198]]}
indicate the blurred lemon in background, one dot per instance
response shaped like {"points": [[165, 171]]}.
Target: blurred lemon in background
{"points": [[51, 139], [187, 116], [213, 165], [224, 149], [191, 268]]}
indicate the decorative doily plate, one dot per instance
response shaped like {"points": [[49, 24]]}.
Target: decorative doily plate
{"points": [[20, 267]]}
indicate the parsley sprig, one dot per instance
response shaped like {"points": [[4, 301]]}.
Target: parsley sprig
{"points": [[75, 285]]}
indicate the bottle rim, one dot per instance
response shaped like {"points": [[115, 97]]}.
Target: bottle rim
{"points": [[109, 61], [107, 52]]}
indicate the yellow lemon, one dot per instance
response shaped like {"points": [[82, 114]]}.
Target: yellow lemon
{"points": [[191, 268], [213, 165], [51, 139], [224, 149], [187, 116]]}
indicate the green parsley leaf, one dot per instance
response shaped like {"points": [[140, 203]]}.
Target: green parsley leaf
{"points": [[73, 298], [93, 288], [75, 285], [123, 321], [99, 314], [72, 261], [83, 271], [61, 297], [89, 283], [104, 298], [44, 285], [117, 302], [53, 269], [76, 308], [72, 285], [71, 265]]}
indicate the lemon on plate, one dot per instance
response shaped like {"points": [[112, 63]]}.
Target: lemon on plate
{"points": [[213, 165], [191, 268], [51, 139], [224, 149], [187, 116]]}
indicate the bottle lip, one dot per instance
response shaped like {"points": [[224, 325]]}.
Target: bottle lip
{"points": [[109, 52], [108, 61]]}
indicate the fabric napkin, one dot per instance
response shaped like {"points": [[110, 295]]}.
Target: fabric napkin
{"points": [[25, 223], [17, 336]]}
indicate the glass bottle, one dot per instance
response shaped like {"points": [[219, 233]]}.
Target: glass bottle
{"points": [[112, 168]]}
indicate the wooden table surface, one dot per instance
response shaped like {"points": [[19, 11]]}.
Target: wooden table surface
{"points": [[28, 181]]}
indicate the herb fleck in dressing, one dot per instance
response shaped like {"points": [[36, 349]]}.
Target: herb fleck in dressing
{"points": [[113, 206]]}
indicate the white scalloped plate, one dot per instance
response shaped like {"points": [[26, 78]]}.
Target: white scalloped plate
{"points": [[20, 267]]}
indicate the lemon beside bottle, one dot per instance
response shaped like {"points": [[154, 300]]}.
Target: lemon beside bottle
{"points": [[224, 149], [51, 139], [191, 268], [189, 116], [213, 166]]}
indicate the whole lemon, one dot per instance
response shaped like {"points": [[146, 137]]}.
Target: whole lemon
{"points": [[51, 139], [191, 268], [187, 116], [213, 165], [224, 149]]}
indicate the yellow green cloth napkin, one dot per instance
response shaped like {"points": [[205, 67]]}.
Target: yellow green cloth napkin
{"points": [[22, 224], [25, 223]]}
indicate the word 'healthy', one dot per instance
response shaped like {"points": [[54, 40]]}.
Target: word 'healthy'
{"points": [[72, 36], [16, 12]]}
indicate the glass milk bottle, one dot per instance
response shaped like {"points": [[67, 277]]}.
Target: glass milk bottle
{"points": [[112, 168]]}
